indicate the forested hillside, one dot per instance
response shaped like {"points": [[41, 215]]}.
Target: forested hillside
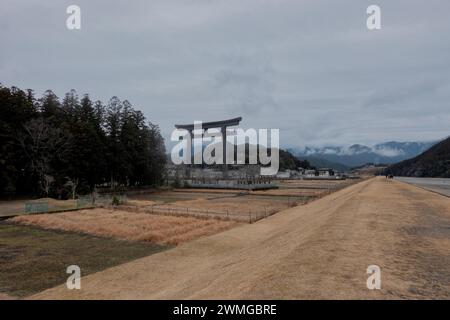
{"points": [[289, 161], [58, 148], [435, 162]]}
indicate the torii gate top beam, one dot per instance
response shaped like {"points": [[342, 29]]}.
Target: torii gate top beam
{"points": [[212, 124]]}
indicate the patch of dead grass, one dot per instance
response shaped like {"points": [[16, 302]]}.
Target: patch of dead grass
{"points": [[126, 225]]}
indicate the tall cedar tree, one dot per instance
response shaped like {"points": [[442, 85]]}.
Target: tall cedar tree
{"points": [[64, 148]]}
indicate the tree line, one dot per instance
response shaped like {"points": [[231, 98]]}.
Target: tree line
{"points": [[61, 148]]}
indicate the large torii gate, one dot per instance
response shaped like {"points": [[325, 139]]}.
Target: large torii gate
{"points": [[222, 124]]}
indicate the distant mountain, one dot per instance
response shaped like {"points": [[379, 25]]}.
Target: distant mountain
{"points": [[289, 161], [286, 159], [358, 154], [322, 163], [435, 162]]}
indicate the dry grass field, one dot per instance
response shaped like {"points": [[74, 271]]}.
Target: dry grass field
{"points": [[320, 250], [238, 205], [242, 208], [180, 215], [128, 225], [292, 192], [148, 222]]}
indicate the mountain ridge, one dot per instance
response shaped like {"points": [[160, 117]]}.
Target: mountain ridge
{"points": [[433, 163], [358, 154]]}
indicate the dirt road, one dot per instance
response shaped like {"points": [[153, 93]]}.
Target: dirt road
{"points": [[316, 251]]}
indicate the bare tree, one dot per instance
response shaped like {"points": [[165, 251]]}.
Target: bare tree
{"points": [[43, 144], [46, 183], [73, 184]]}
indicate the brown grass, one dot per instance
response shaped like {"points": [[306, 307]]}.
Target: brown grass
{"points": [[4, 296], [235, 205], [401, 228], [238, 205], [292, 192], [129, 225]]}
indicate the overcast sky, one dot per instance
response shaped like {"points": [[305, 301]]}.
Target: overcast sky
{"points": [[310, 68]]}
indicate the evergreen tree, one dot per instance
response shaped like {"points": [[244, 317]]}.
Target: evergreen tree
{"points": [[60, 149], [49, 106], [16, 108]]}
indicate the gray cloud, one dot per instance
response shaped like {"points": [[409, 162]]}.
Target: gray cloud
{"points": [[247, 79], [309, 68], [400, 93]]}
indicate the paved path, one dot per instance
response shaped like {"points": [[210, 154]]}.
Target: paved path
{"points": [[316, 251], [439, 185]]}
